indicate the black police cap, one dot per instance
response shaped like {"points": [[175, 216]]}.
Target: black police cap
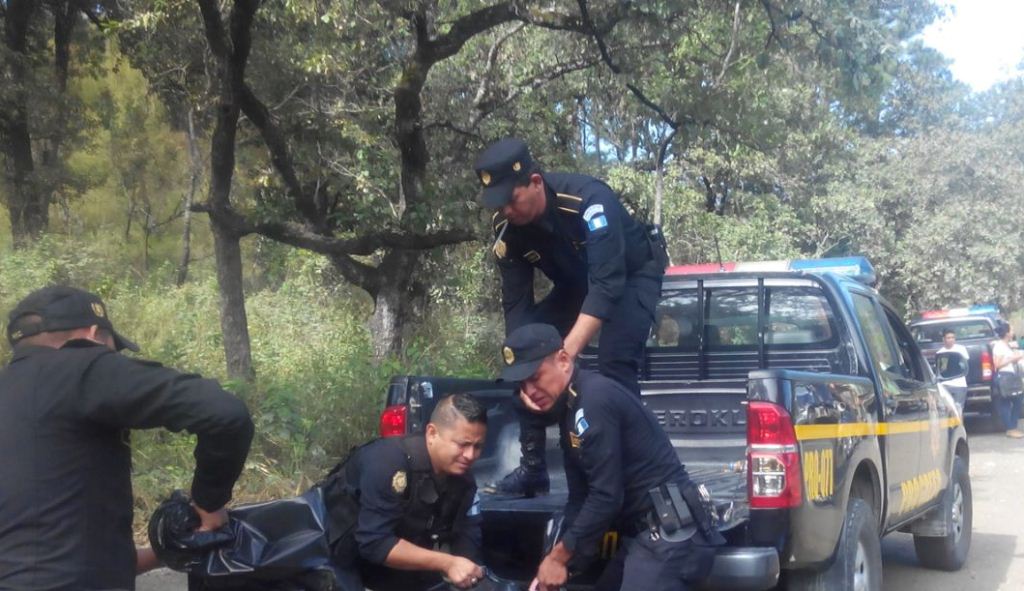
{"points": [[526, 348], [57, 308], [499, 167]]}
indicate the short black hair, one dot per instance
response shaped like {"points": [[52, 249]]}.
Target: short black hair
{"points": [[1002, 329], [458, 405], [948, 331]]}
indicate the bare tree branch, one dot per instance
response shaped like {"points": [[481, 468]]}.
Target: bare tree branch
{"points": [[585, 15], [303, 237], [732, 45]]}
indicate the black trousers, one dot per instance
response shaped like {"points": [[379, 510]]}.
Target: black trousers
{"points": [[620, 351], [656, 565]]}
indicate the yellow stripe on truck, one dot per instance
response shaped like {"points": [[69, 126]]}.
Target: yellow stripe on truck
{"points": [[842, 430]]}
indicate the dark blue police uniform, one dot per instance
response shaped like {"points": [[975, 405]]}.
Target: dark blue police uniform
{"points": [[386, 490], [615, 454], [601, 262]]}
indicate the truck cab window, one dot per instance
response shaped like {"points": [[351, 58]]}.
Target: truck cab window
{"points": [[908, 354], [874, 334], [675, 322], [799, 316]]}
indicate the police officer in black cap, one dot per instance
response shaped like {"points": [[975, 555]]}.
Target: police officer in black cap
{"points": [[622, 471], [606, 268], [67, 401], [404, 511]]}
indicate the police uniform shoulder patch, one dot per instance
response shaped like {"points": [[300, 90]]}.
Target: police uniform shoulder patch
{"points": [[399, 482], [581, 422]]}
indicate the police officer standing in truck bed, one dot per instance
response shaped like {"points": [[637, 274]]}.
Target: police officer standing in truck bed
{"points": [[622, 472], [606, 268]]}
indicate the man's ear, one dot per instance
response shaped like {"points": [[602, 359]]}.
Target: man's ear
{"points": [[431, 431]]}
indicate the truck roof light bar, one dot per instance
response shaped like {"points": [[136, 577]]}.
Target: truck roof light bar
{"points": [[858, 268], [978, 310]]}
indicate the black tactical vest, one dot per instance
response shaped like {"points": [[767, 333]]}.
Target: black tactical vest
{"points": [[428, 510]]}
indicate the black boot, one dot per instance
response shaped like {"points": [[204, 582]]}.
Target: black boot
{"points": [[531, 477]]}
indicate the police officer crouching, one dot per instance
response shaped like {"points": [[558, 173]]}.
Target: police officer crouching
{"points": [[404, 511], [622, 472]]}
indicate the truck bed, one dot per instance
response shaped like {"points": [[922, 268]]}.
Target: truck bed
{"points": [[704, 420]]}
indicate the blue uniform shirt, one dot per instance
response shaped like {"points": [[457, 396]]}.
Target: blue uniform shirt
{"points": [[383, 477], [615, 452], [586, 243]]}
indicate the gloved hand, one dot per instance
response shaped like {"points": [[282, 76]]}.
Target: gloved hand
{"points": [[175, 536]]}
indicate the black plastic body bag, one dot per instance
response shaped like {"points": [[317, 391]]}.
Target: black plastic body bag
{"points": [[280, 545]]}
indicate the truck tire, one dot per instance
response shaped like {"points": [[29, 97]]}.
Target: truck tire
{"points": [[950, 551], [858, 562]]}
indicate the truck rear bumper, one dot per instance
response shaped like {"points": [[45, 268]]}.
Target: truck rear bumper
{"points": [[744, 569]]}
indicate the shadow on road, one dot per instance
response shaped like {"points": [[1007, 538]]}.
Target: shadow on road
{"points": [[981, 424], [986, 569]]}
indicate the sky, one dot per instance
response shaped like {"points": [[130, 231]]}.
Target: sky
{"points": [[984, 38]]}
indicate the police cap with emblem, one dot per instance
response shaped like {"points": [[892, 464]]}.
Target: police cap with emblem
{"points": [[58, 308], [526, 348], [499, 167]]}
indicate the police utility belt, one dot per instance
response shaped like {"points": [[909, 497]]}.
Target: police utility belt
{"points": [[680, 510]]}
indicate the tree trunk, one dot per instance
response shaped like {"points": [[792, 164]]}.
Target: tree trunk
{"points": [[659, 181], [392, 301], [65, 16], [26, 204], [234, 322], [186, 233]]}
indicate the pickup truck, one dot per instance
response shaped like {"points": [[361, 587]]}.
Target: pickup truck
{"points": [[799, 399], [975, 329]]}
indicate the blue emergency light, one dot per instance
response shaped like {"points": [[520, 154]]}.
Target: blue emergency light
{"points": [[858, 268]]}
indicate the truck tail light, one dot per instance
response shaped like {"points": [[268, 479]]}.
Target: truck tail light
{"points": [[986, 366], [773, 459], [393, 421]]}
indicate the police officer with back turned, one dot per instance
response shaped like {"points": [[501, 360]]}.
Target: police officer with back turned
{"points": [[606, 268], [622, 471], [67, 402]]}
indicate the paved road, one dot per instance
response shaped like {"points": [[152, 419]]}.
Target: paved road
{"points": [[996, 561]]}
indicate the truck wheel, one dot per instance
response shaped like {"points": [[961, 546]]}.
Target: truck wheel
{"points": [[858, 562], [950, 551]]}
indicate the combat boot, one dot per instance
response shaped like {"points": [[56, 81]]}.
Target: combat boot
{"points": [[531, 477], [522, 482]]}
